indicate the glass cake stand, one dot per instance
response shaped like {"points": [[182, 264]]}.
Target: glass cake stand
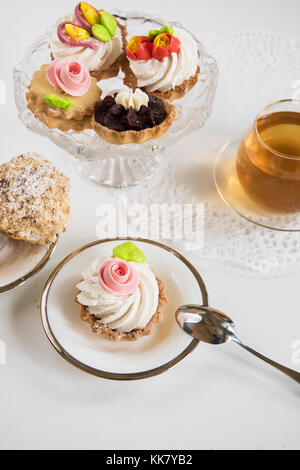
{"points": [[104, 163]]}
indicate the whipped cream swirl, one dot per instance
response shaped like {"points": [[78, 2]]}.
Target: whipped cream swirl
{"points": [[129, 99], [126, 313], [95, 60], [172, 71]]}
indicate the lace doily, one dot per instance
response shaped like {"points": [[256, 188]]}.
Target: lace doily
{"points": [[255, 69]]}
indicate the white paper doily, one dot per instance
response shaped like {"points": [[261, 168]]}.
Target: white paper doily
{"points": [[255, 69]]}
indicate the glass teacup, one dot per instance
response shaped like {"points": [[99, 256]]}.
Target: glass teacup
{"points": [[268, 158]]}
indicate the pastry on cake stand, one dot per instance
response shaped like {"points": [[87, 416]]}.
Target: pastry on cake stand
{"points": [[132, 163]]}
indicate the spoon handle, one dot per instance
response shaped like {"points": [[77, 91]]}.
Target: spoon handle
{"points": [[289, 372]]}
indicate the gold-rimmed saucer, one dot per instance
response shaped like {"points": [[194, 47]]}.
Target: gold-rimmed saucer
{"points": [[148, 357]]}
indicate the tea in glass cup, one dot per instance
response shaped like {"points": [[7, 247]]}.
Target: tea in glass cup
{"points": [[268, 160]]}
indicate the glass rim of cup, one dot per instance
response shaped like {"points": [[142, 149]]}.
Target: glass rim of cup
{"points": [[264, 144]]}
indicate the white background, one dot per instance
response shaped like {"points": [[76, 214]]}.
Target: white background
{"points": [[219, 398]]}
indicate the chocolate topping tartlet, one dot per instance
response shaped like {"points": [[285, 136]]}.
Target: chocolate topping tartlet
{"points": [[118, 125]]}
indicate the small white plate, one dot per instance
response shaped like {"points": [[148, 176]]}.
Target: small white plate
{"points": [[150, 356], [20, 261]]}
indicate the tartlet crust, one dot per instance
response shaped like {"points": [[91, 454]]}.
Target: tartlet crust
{"points": [[136, 137], [76, 118], [175, 94], [101, 330], [181, 90], [34, 200]]}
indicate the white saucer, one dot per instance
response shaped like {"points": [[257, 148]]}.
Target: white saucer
{"points": [[150, 356], [20, 261]]}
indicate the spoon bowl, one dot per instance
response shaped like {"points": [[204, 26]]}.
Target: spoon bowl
{"points": [[205, 324]]}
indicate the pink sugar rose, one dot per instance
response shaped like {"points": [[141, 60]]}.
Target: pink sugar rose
{"points": [[69, 76], [118, 277]]}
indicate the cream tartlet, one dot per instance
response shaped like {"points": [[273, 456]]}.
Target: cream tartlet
{"points": [[122, 300], [63, 95], [92, 37], [164, 62]]}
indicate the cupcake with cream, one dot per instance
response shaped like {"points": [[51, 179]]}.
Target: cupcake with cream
{"points": [[120, 296], [166, 62], [92, 37]]}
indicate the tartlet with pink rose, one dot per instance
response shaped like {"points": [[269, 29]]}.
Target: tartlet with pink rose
{"points": [[63, 95], [120, 296]]}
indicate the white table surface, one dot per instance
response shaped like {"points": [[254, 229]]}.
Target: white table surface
{"points": [[218, 398]]}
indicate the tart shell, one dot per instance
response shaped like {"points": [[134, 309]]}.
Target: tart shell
{"points": [[178, 92], [101, 330], [136, 137], [76, 118], [181, 90]]}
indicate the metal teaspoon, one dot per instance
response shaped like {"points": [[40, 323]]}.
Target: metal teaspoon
{"points": [[213, 327]]}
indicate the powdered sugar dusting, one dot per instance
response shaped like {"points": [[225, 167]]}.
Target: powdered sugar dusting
{"points": [[26, 184], [34, 199]]}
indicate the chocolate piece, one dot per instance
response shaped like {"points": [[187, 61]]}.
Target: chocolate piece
{"points": [[113, 121], [146, 117], [103, 108], [118, 110], [158, 109], [116, 117], [134, 121], [109, 101]]}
